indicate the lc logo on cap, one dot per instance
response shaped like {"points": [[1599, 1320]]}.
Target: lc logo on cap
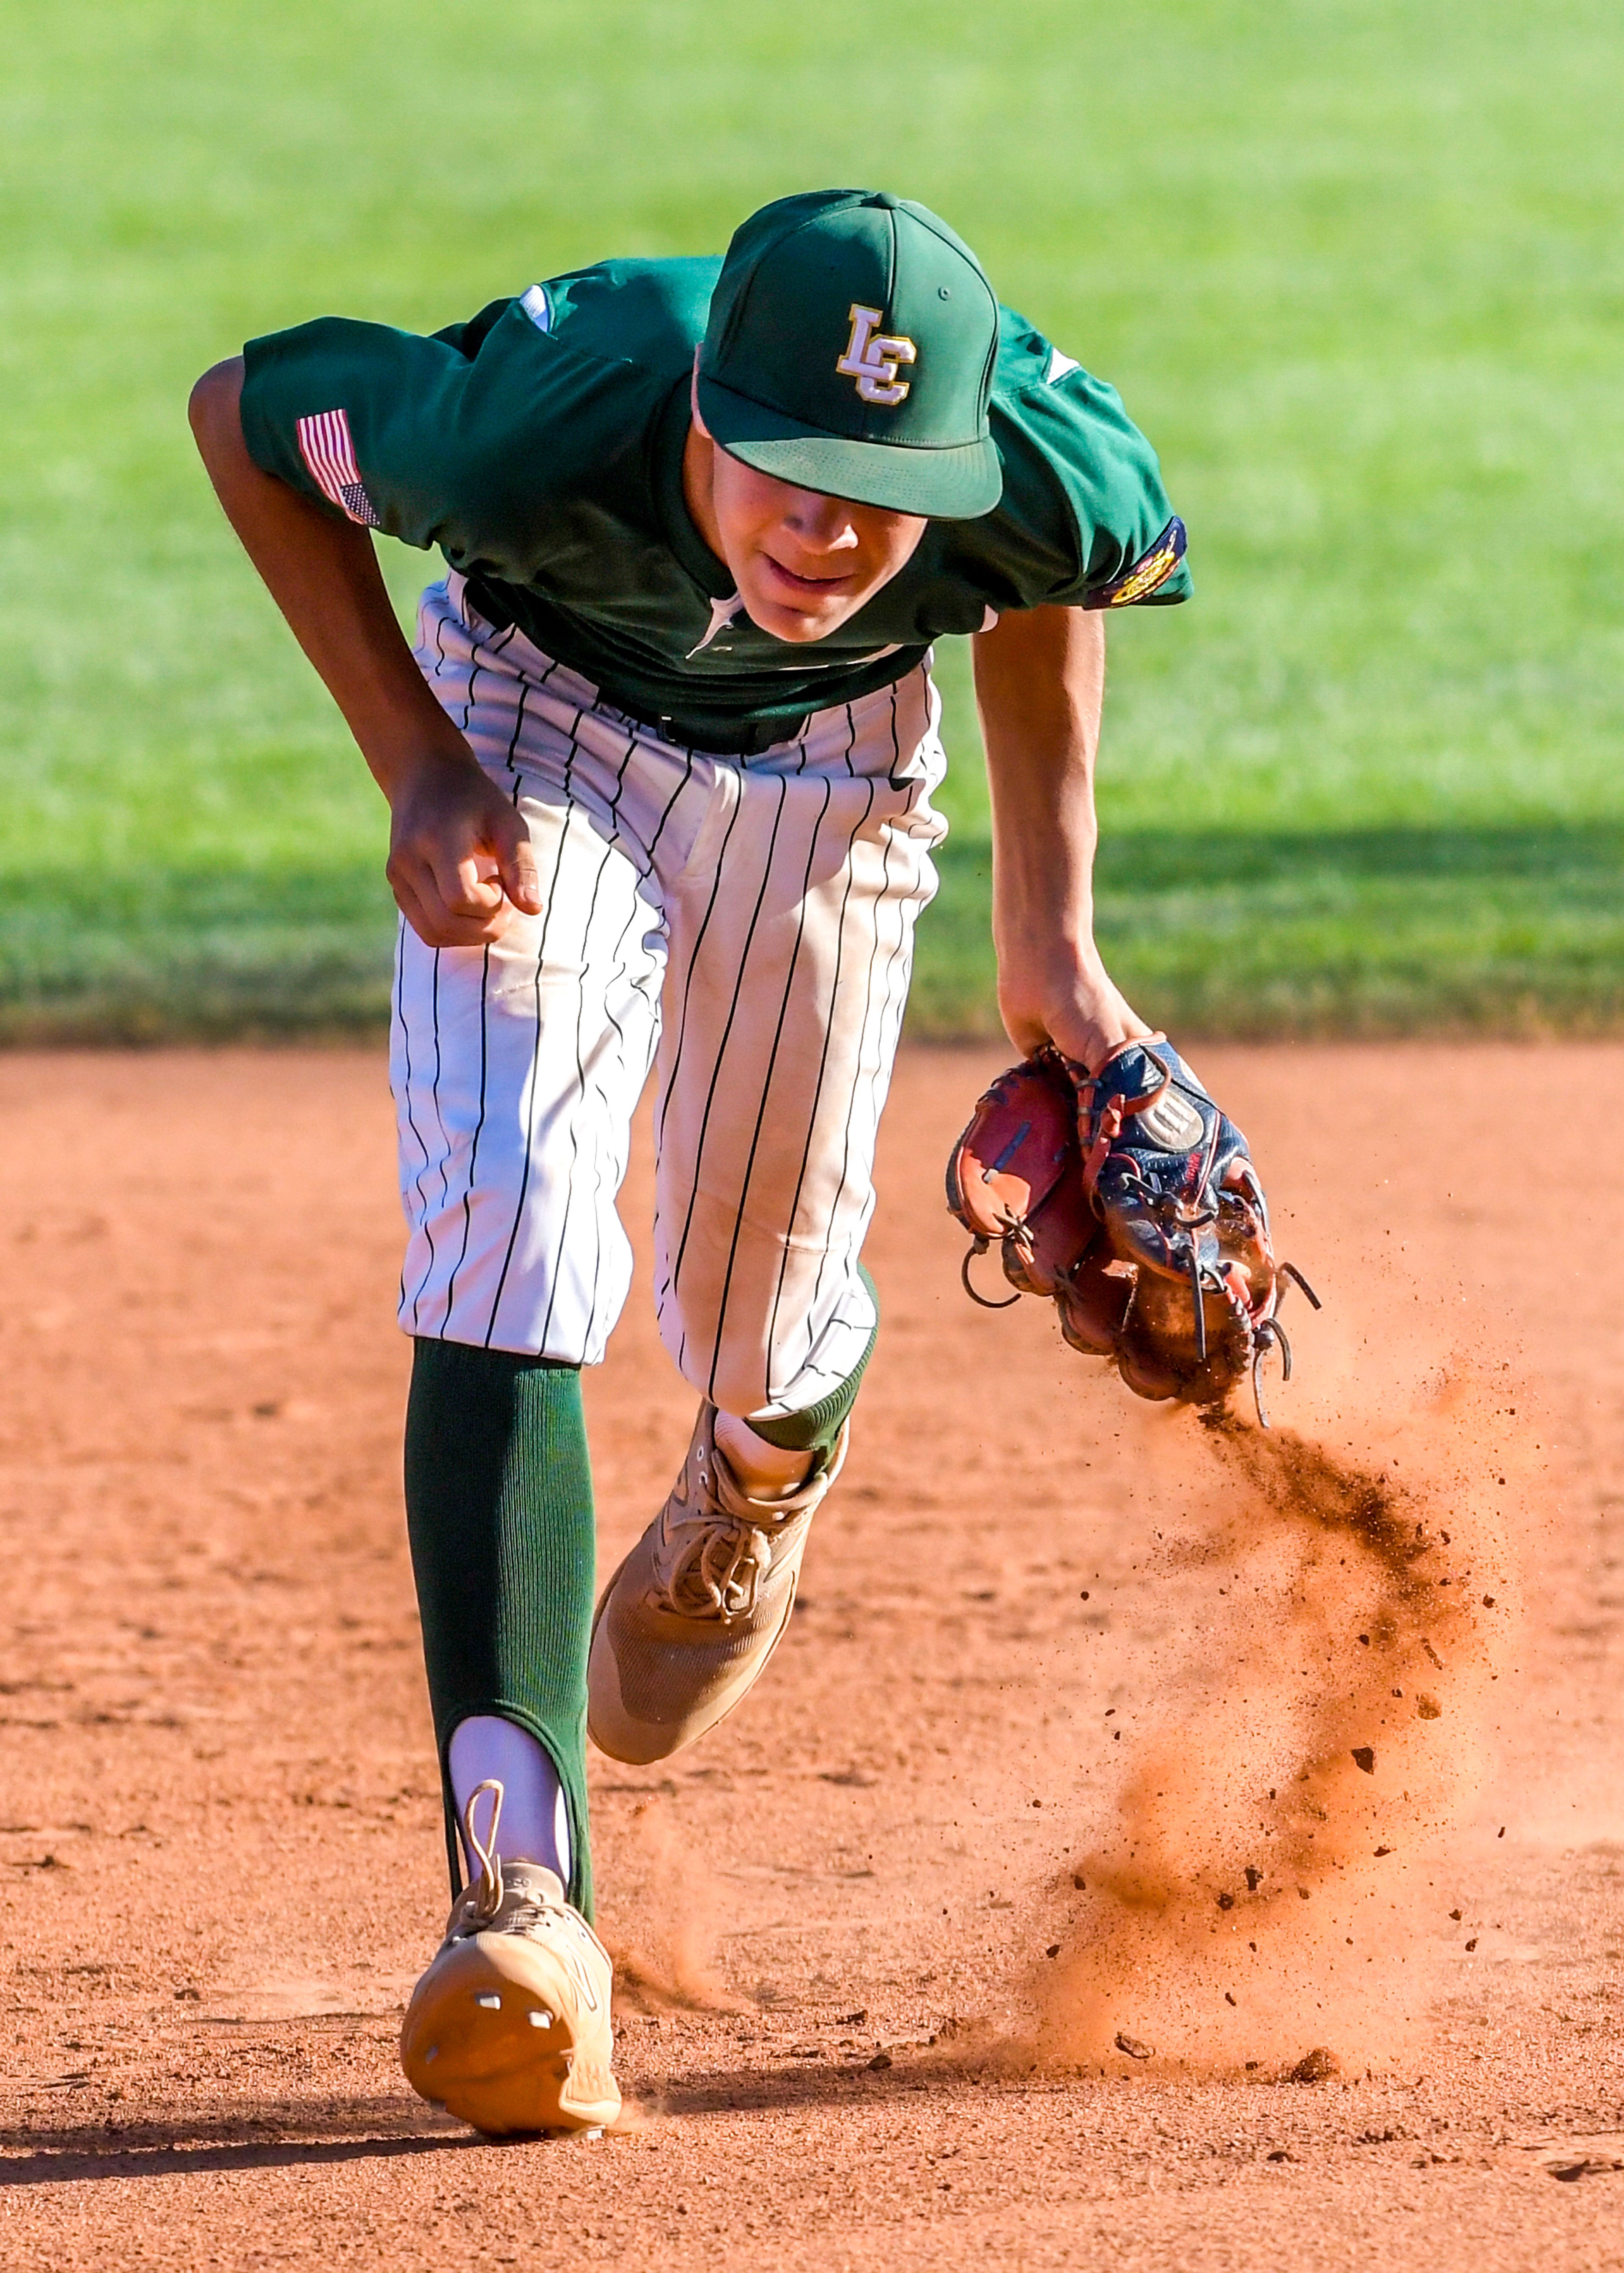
{"points": [[872, 358]]}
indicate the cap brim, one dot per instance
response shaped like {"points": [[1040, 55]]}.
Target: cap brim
{"points": [[957, 483]]}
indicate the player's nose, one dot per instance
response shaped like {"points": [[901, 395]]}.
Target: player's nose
{"points": [[821, 524]]}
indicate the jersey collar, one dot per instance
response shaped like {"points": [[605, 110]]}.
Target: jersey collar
{"points": [[714, 578]]}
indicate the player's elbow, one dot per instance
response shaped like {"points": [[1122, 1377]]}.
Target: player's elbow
{"points": [[214, 409]]}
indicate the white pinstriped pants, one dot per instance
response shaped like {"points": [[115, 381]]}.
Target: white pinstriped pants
{"points": [[749, 920]]}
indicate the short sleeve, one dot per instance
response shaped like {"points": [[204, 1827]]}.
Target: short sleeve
{"points": [[360, 417], [464, 439], [1077, 467]]}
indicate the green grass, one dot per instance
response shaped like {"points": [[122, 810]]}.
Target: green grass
{"points": [[1357, 269]]}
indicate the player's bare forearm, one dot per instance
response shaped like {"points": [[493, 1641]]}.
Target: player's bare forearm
{"points": [[459, 854], [1040, 680]]}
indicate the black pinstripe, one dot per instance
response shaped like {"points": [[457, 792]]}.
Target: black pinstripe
{"points": [[518, 719], [721, 1047], [524, 1180], [639, 911], [767, 1085], [906, 920], [620, 944], [845, 1163], [823, 1061], [619, 974], [484, 973], [909, 916], [682, 1028], [581, 1085], [434, 1092], [479, 1129], [411, 1122], [399, 1011], [671, 805]]}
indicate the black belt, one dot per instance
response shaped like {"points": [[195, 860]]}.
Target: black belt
{"points": [[739, 738]]}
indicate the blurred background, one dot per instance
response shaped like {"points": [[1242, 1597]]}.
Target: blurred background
{"points": [[1355, 265]]}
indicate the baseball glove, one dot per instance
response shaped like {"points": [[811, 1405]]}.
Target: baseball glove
{"points": [[1128, 1198]]}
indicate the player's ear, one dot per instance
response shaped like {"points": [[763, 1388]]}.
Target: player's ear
{"points": [[694, 398]]}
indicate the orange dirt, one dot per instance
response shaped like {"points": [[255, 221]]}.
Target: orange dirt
{"points": [[844, 2042]]}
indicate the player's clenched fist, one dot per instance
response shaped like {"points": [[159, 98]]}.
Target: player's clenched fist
{"points": [[459, 859]]}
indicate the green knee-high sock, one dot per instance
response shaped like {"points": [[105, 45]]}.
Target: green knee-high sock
{"points": [[498, 1508]]}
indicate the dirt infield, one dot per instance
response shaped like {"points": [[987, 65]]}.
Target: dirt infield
{"points": [[1048, 1636]]}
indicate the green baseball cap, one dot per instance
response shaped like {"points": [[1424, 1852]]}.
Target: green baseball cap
{"points": [[850, 350]]}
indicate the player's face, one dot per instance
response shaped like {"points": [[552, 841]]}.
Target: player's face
{"points": [[804, 563]]}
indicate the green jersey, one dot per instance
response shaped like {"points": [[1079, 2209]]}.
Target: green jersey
{"points": [[540, 447]]}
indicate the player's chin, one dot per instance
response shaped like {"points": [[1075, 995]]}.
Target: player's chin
{"points": [[800, 626]]}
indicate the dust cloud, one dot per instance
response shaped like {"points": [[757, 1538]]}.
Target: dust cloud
{"points": [[673, 1967], [1276, 1877]]}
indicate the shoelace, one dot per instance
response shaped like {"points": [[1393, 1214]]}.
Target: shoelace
{"points": [[720, 1571], [487, 1893], [729, 1561], [490, 1892]]}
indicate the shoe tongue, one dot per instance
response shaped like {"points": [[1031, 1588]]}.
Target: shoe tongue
{"points": [[732, 1498], [521, 1876], [736, 1498]]}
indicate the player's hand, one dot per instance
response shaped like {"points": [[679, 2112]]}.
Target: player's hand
{"points": [[460, 863], [1068, 999]]}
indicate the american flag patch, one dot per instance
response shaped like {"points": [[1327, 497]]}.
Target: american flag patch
{"points": [[325, 447]]}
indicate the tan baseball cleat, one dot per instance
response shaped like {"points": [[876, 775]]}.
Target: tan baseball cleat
{"points": [[509, 2029], [690, 1617]]}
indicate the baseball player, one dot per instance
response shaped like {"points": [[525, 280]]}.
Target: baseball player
{"points": [[660, 771]]}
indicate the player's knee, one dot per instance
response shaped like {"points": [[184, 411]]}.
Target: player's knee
{"points": [[752, 1357], [735, 1384], [770, 1395]]}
